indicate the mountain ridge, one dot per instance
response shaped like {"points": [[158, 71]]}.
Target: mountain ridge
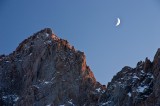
{"points": [[45, 70]]}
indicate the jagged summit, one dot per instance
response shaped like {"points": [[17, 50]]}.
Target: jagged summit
{"points": [[137, 86], [45, 70], [43, 37]]}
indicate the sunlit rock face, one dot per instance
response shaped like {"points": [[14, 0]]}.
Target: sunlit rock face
{"points": [[47, 70]]}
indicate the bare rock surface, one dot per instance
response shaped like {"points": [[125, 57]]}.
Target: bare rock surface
{"points": [[46, 70], [138, 86]]}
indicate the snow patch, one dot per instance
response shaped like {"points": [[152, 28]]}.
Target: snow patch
{"points": [[4, 97], [141, 89], [129, 94], [149, 74], [48, 42], [98, 89], [30, 54], [46, 82], [7, 61], [47, 34], [70, 102], [135, 77], [103, 91], [36, 86], [10, 97], [52, 78], [16, 99], [108, 102], [152, 76]]}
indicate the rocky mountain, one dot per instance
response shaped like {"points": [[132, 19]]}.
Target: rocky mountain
{"points": [[138, 86], [45, 70]]}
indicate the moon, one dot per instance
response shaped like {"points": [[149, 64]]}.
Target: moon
{"points": [[118, 22]]}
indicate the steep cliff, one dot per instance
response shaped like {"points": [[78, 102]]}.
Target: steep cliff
{"points": [[47, 70]]}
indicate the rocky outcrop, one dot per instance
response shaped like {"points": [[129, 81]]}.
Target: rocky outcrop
{"points": [[138, 86], [47, 70]]}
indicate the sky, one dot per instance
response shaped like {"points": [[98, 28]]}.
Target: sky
{"points": [[89, 25]]}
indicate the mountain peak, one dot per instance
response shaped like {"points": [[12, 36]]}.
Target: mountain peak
{"points": [[45, 69]]}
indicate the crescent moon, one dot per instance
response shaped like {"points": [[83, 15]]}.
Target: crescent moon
{"points": [[118, 22]]}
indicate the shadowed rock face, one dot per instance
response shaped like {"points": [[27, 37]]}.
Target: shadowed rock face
{"points": [[138, 86], [46, 70]]}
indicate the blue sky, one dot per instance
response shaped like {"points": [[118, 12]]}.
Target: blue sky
{"points": [[89, 25]]}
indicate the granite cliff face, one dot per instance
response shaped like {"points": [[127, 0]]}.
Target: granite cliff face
{"points": [[45, 70]]}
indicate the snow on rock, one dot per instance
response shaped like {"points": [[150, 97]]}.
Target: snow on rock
{"points": [[52, 78], [47, 34], [106, 103], [129, 94], [98, 89], [48, 42], [40, 63], [149, 74], [13, 98], [152, 76], [103, 91], [46, 82], [141, 89], [135, 77], [36, 86], [16, 99], [142, 71], [4, 97], [30, 54], [7, 61], [70, 102]]}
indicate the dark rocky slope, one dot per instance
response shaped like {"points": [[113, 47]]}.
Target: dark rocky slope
{"points": [[45, 70], [138, 86]]}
